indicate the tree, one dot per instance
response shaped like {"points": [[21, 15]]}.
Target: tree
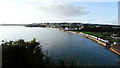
{"points": [[22, 54], [118, 33], [19, 54]]}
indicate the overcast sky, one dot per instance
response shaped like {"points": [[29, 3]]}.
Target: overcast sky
{"points": [[42, 11]]}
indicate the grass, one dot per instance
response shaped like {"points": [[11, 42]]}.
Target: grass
{"points": [[95, 34], [103, 35], [92, 33]]}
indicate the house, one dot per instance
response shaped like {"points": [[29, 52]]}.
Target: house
{"points": [[116, 43]]}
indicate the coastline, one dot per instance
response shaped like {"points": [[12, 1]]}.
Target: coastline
{"points": [[115, 51], [96, 40]]}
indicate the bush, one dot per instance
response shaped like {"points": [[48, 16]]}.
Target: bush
{"points": [[22, 54], [19, 54]]}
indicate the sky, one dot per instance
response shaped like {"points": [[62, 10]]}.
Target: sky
{"points": [[55, 11]]}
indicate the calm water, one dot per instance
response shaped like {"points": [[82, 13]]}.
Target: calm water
{"points": [[63, 45]]}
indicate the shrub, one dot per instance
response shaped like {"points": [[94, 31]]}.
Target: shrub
{"points": [[19, 54]]}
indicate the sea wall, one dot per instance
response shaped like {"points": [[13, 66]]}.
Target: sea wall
{"points": [[115, 51]]}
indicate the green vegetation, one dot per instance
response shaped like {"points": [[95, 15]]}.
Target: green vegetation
{"points": [[103, 35], [93, 33], [35, 25], [20, 54], [106, 33]]}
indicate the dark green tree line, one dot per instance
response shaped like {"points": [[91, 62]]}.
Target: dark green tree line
{"points": [[19, 54], [22, 54]]}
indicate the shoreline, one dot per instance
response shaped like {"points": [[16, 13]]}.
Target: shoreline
{"points": [[115, 51], [95, 40], [91, 38]]}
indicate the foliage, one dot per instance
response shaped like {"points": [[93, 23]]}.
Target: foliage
{"points": [[69, 62], [104, 32], [19, 54], [35, 25]]}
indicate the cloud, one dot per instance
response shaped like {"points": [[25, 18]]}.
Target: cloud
{"points": [[62, 10], [72, 0]]}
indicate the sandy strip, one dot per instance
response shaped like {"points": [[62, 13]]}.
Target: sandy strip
{"points": [[113, 50]]}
